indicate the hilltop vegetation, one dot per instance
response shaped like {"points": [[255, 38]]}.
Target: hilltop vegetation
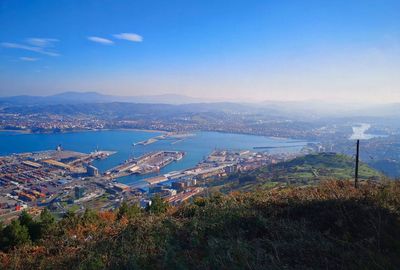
{"points": [[322, 166], [304, 170], [328, 226]]}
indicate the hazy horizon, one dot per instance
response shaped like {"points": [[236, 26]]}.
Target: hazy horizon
{"points": [[250, 51], [185, 99]]}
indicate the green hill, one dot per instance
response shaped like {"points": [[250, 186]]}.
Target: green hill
{"points": [[305, 170], [328, 226], [325, 165]]}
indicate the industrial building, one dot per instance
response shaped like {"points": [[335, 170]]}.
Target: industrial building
{"points": [[92, 171], [79, 192]]}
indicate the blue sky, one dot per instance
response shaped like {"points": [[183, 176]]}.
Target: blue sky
{"points": [[234, 50]]}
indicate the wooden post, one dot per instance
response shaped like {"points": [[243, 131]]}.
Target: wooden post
{"points": [[357, 161]]}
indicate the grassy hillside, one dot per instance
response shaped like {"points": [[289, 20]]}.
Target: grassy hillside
{"points": [[309, 169], [325, 165], [328, 226]]}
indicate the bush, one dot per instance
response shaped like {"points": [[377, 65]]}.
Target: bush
{"points": [[14, 234], [328, 226]]}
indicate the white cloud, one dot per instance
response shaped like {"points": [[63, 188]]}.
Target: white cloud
{"points": [[28, 48], [28, 59], [129, 36], [42, 42], [100, 40]]}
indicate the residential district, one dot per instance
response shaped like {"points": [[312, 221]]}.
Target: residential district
{"points": [[63, 180]]}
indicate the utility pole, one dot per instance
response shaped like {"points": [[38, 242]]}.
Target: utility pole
{"points": [[357, 161]]}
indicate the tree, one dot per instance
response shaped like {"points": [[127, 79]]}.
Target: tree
{"points": [[70, 220], [34, 227], [128, 211], [15, 234], [1, 233], [25, 219], [89, 216], [47, 222], [158, 205], [70, 214], [46, 218]]}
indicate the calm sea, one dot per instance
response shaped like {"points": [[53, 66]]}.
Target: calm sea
{"points": [[196, 147]]}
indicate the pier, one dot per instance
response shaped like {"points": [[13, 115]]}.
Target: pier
{"points": [[171, 135], [148, 163], [92, 156], [151, 140]]}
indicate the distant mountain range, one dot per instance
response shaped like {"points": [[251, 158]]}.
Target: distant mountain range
{"points": [[94, 97], [292, 109]]}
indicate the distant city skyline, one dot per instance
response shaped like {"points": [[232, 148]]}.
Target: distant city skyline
{"points": [[218, 50]]}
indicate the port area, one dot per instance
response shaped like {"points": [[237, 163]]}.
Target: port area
{"points": [[32, 179], [148, 163], [175, 136], [178, 186], [218, 164], [36, 166], [65, 181]]}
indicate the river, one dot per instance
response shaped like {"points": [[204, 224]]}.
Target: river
{"points": [[359, 133]]}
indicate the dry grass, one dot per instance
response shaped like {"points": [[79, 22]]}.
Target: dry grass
{"points": [[328, 226]]}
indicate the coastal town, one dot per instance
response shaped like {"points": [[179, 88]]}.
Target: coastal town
{"points": [[63, 180]]}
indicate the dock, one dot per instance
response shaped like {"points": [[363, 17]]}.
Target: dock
{"points": [[92, 156], [156, 180], [151, 140], [171, 135], [148, 163]]}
